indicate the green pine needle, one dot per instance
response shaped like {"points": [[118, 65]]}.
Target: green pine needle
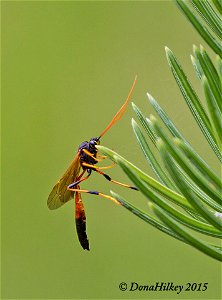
{"points": [[186, 194]]}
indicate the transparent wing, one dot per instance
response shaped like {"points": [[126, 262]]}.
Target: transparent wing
{"points": [[59, 194], [81, 221]]}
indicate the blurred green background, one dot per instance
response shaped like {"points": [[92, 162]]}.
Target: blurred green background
{"points": [[67, 67]]}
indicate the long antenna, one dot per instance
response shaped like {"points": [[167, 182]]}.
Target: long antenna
{"points": [[121, 111]]}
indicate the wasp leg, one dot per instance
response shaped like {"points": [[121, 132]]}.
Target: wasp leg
{"points": [[106, 167], [97, 168], [80, 180], [94, 193], [102, 156], [116, 182], [91, 155]]}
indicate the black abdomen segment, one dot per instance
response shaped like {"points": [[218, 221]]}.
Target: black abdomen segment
{"points": [[81, 230]]}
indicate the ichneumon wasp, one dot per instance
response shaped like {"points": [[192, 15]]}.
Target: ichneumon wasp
{"points": [[84, 163]]}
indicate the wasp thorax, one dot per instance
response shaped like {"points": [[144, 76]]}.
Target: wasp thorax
{"points": [[88, 152]]}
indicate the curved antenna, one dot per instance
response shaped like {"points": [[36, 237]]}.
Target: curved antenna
{"points": [[121, 111]]}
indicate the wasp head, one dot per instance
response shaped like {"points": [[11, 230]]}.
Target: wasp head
{"points": [[94, 141]]}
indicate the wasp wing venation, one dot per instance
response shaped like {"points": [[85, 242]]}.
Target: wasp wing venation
{"points": [[81, 221], [59, 194]]}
